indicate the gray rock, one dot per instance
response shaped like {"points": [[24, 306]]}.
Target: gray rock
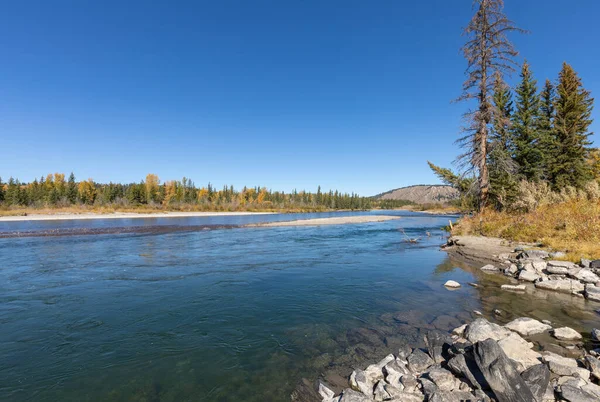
{"points": [[526, 326], [528, 276], [350, 395], [537, 379], [380, 394], [596, 334], [404, 352], [402, 396], [451, 396], [394, 371], [561, 285], [585, 263], [548, 357], [489, 268], [452, 284], [519, 351], [468, 370], [576, 394], [593, 364], [533, 254], [410, 384], [443, 379], [595, 264], [557, 254], [459, 331], [428, 387], [566, 334], [511, 270], [325, 392], [563, 370], [418, 361], [500, 373], [437, 345], [557, 270], [592, 292], [585, 275], [561, 264], [515, 288], [482, 329]]}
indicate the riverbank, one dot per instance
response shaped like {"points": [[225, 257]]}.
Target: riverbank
{"points": [[342, 220], [61, 216], [535, 359]]}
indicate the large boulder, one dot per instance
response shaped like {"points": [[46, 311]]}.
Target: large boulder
{"points": [[467, 369], [443, 379], [500, 373], [526, 326], [561, 285], [561, 264], [537, 378], [481, 329], [593, 364], [394, 370], [595, 264], [573, 393]]}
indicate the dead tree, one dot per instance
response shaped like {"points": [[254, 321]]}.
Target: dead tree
{"points": [[488, 51]]}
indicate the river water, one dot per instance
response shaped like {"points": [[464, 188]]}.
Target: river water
{"points": [[230, 314]]}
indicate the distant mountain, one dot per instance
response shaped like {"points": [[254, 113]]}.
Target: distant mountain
{"points": [[421, 194]]}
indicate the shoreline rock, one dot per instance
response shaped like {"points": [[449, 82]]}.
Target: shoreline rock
{"points": [[481, 361]]}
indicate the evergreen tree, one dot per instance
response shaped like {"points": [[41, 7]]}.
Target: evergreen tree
{"points": [[527, 153], [573, 117], [72, 189], [503, 184], [545, 127], [1, 190], [487, 51]]}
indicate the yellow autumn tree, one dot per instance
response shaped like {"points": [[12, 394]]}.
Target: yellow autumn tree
{"points": [[203, 195], [595, 162], [170, 192], [261, 196], [86, 191], [59, 184], [152, 187]]}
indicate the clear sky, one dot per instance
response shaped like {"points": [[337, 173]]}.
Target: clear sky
{"points": [[348, 94]]}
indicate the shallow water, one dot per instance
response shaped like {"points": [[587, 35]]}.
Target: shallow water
{"points": [[229, 314]]}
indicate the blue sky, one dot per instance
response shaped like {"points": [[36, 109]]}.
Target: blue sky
{"points": [[353, 95]]}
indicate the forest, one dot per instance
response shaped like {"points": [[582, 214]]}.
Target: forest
{"points": [[54, 191]]}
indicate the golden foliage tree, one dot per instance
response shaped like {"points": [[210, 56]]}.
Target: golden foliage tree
{"points": [[152, 187]]}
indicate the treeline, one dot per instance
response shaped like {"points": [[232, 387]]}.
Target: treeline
{"points": [[523, 136], [54, 191]]}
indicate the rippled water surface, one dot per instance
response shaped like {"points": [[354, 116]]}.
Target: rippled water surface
{"points": [[241, 314]]}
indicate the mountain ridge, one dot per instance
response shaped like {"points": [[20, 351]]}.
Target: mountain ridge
{"points": [[421, 194]]}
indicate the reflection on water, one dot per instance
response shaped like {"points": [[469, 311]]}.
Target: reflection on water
{"points": [[237, 314]]}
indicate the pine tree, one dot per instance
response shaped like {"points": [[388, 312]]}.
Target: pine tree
{"points": [[487, 51], [573, 117], [1, 190], [503, 184], [528, 154], [545, 127], [72, 189]]}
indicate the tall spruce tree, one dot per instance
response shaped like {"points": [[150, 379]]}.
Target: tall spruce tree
{"points": [[545, 128], [1, 190], [573, 118], [503, 184], [72, 189], [527, 153], [487, 51]]}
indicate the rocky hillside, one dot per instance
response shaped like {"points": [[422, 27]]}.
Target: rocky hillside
{"points": [[421, 194]]}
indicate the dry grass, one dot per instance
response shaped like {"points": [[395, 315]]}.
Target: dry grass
{"points": [[572, 226]]}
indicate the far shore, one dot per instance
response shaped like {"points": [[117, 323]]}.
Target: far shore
{"points": [[63, 216], [342, 220]]}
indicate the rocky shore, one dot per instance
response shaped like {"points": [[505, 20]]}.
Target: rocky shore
{"points": [[481, 361], [531, 267], [524, 360]]}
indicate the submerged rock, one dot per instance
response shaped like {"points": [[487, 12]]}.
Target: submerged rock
{"points": [[514, 288]]}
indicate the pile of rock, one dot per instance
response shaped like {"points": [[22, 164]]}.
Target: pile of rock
{"points": [[480, 361], [537, 267]]}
